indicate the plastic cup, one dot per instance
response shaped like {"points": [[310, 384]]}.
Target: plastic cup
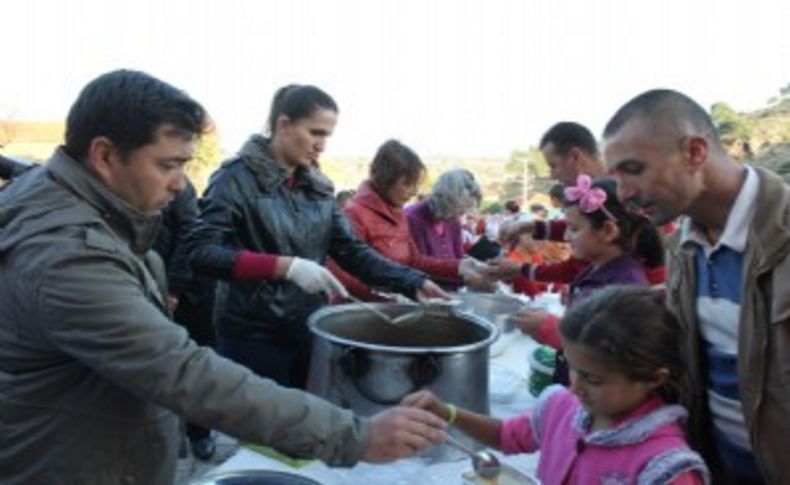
{"points": [[541, 365]]}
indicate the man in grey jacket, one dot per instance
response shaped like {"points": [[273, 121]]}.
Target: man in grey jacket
{"points": [[92, 369]]}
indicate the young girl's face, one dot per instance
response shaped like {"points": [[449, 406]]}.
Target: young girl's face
{"points": [[587, 242], [608, 395]]}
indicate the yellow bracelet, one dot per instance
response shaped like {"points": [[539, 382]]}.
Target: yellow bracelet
{"points": [[453, 413]]}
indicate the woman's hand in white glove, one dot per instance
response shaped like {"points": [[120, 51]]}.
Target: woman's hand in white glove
{"points": [[313, 278]]}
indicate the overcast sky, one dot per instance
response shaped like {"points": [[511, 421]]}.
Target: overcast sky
{"points": [[448, 77]]}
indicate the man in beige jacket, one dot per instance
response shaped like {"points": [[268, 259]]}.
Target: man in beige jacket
{"points": [[727, 282], [92, 370]]}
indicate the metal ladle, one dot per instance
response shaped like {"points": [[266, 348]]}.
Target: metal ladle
{"points": [[435, 308], [367, 306], [408, 317], [484, 463]]}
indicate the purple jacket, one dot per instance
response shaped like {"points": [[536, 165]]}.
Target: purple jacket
{"points": [[622, 270], [424, 231], [647, 447]]}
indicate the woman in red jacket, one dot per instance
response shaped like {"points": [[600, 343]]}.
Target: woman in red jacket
{"points": [[376, 215]]}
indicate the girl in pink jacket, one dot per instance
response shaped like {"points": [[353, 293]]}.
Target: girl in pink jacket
{"points": [[618, 423]]}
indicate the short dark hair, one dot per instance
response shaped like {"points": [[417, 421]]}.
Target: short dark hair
{"points": [[632, 327], [537, 207], [512, 206], [128, 107], [297, 101], [658, 104], [567, 135], [557, 191], [393, 161]]}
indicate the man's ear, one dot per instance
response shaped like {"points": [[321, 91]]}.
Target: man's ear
{"points": [[575, 158], [102, 154], [695, 150]]}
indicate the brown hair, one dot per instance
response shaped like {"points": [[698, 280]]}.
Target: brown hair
{"points": [[297, 101], [394, 161], [632, 327]]}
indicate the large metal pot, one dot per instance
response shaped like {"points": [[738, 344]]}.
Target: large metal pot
{"points": [[362, 363], [255, 477]]}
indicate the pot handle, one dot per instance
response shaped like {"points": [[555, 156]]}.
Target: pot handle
{"points": [[421, 371]]}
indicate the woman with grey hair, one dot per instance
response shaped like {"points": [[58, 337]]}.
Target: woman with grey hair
{"points": [[435, 223]]}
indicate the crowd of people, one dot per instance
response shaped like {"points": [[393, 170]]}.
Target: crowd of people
{"points": [[130, 301]]}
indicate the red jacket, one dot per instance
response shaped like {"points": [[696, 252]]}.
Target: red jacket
{"points": [[385, 229]]}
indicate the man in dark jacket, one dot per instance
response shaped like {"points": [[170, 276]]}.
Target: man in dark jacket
{"points": [[190, 297], [179, 220], [10, 168], [91, 367]]}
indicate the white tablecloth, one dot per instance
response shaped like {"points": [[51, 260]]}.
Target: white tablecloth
{"points": [[508, 396]]}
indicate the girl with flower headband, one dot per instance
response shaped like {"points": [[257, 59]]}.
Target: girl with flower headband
{"points": [[617, 244]]}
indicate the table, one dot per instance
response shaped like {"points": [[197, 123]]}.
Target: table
{"points": [[508, 396]]}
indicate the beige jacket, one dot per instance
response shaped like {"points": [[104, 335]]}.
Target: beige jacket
{"points": [[764, 342]]}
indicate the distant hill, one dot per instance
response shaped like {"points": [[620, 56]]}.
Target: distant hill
{"points": [[761, 136], [501, 178], [772, 137], [30, 140]]}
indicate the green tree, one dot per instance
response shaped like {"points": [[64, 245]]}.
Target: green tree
{"points": [[207, 158], [524, 167], [512, 186], [781, 103], [540, 173], [732, 126]]}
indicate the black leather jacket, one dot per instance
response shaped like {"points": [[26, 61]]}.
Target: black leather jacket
{"points": [[174, 239], [250, 205], [10, 168]]}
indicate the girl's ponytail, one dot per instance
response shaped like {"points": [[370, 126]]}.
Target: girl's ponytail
{"points": [[648, 243]]}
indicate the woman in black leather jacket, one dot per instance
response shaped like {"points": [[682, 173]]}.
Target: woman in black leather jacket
{"points": [[271, 221], [10, 168]]}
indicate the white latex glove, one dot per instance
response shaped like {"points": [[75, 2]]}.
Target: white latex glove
{"points": [[314, 278]]}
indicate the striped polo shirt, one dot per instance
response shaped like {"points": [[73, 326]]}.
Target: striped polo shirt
{"points": [[719, 269]]}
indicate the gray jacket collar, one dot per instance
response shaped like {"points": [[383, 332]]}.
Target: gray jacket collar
{"points": [[134, 227], [271, 175]]}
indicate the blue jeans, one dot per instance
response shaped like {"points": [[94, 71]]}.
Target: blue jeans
{"points": [[286, 363]]}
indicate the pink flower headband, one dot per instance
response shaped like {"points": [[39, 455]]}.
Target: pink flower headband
{"points": [[589, 198]]}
